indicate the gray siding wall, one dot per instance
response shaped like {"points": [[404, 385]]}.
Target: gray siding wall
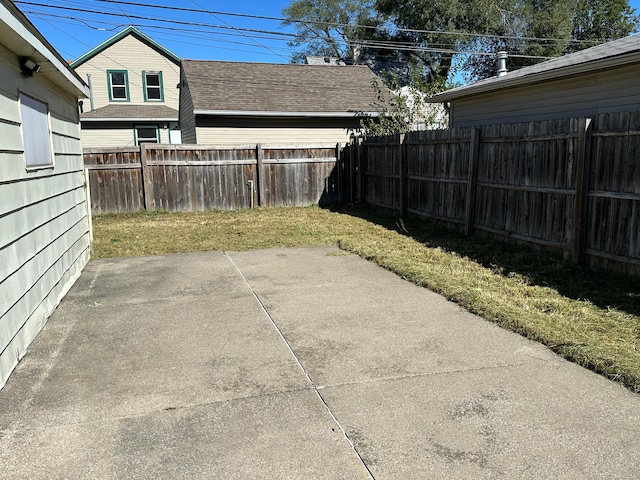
{"points": [[44, 227], [615, 90], [187, 118]]}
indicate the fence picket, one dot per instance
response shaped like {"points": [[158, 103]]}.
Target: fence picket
{"points": [[565, 183]]}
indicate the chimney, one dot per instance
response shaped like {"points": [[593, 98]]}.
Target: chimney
{"points": [[502, 63]]}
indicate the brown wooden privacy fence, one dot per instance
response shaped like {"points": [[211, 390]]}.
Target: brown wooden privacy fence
{"points": [[196, 177], [572, 184]]}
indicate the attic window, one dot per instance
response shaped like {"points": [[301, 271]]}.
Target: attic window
{"points": [[118, 85], [152, 82]]}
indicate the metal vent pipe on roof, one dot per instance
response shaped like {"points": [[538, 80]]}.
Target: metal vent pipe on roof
{"points": [[502, 63]]}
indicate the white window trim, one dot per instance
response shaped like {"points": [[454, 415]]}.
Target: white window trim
{"points": [[159, 87], [155, 127], [111, 85]]}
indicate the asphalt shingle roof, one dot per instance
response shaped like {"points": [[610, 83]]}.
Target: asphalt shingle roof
{"points": [[616, 52], [286, 88], [134, 112]]}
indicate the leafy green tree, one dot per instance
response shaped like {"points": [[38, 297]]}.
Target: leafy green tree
{"points": [[332, 28], [404, 108], [602, 21], [439, 28], [530, 30]]}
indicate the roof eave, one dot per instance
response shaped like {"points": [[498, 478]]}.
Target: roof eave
{"points": [[18, 23], [128, 119], [260, 113], [555, 73]]}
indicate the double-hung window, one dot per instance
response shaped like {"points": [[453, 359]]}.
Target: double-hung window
{"points": [[152, 82], [118, 85]]}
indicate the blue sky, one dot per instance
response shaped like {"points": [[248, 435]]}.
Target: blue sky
{"points": [[74, 28], [73, 32]]}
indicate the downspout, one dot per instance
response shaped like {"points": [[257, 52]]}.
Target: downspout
{"points": [[90, 91]]}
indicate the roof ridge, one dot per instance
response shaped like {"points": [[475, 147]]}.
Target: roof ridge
{"points": [[130, 30]]}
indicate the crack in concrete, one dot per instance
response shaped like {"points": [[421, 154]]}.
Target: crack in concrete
{"points": [[304, 371]]}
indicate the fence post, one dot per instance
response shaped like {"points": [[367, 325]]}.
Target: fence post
{"points": [[402, 152], [361, 167], [352, 169], [147, 180], [258, 187], [472, 175], [583, 168], [339, 179]]}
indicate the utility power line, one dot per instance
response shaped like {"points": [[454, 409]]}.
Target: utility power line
{"points": [[189, 29], [332, 24]]}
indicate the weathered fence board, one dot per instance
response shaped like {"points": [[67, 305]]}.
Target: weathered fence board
{"points": [[569, 184], [115, 179], [197, 177]]}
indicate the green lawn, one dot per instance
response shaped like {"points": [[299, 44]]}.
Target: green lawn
{"points": [[591, 318]]}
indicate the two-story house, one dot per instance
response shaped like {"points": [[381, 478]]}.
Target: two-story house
{"points": [[134, 95]]}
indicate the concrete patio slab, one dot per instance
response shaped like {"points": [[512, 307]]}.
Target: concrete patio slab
{"points": [[297, 364]]}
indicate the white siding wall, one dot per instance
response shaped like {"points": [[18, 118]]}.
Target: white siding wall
{"points": [[613, 90], [44, 228], [115, 137], [134, 56], [241, 135]]}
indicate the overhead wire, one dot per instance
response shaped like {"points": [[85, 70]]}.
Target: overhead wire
{"points": [[337, 24], [253, 34], [253, 39]]}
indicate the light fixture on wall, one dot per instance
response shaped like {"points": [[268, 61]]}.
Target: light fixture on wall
{"points": [[29, 67]]}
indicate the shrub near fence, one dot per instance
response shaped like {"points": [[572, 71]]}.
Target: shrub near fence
{"points": [[571, 185], [196, 177]]}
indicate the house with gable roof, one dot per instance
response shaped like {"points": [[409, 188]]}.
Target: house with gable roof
{"points": [[133, 98], [45, 232], [596, 80], [241, 103]]}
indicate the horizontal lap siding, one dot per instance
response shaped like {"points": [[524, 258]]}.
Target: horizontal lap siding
{"points": [[44, 237], [134, 56], [111, 137], [241, 135], [589, 94]]}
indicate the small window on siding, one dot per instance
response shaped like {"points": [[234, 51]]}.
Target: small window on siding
{"points": [[36, 133], [146, 134], [118, 85], [152, 82]]}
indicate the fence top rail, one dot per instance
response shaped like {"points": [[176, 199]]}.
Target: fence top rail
{"points": [[199, 163], [192, 147], [102, 150], [530, 138], [244, 146]]}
